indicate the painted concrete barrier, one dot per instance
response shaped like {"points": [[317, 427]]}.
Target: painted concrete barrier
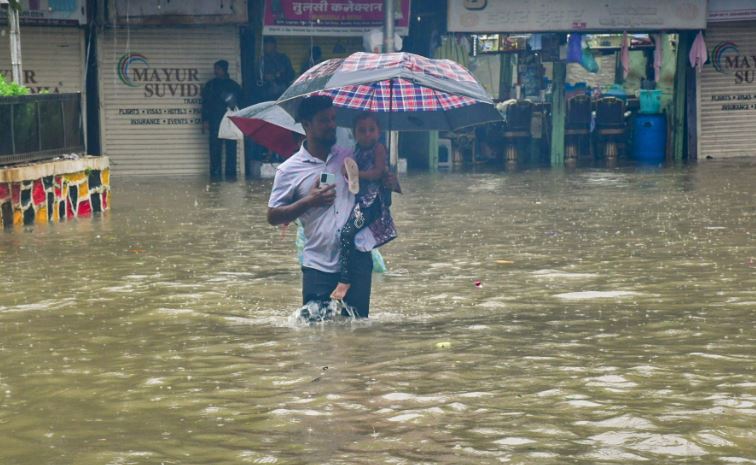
{"points": [[54, 191]]}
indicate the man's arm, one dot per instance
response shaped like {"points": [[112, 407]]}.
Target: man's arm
{"points": [[205, 95], [289, 213], [316, 198]]}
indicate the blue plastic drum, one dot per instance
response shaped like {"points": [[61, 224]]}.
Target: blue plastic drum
{"points": [[650, 138]]}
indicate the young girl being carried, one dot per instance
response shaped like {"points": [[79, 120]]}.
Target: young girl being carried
{"points": [[371, 210]]}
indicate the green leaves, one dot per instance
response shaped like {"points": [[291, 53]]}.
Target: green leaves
{"points": [[11, 89]]}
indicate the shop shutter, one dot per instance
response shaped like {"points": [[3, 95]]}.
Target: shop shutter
{"points": [[157, 130], [727, 101], [52, 58]]}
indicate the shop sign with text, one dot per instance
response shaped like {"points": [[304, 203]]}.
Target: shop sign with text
{"points": [[731, 10], [726, 58], [508, 16], [331, 17], [175, 91], [35, 81], [729, 59]]}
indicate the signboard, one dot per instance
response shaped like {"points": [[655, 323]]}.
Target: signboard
{"points": [[183, 12], [571, 15], [731, 10], [51, 12], [331, 17], [729, 58]]}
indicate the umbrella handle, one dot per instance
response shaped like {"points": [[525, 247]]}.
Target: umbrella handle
{"points": [[393, 137]]}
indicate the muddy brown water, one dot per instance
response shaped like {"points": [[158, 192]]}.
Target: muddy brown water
{"points": [[614, 324]]}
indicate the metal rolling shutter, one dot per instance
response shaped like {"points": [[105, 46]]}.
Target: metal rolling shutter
{"points": [[727, 109], [173, 144], [53, 58]]}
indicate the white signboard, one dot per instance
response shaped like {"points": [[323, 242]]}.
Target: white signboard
{"points": [[572, 15], [731, 10]]}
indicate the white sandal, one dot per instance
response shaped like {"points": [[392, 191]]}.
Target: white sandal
{"points": [[353, 175]]}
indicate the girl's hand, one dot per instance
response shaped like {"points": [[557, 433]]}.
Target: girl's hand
{"points": [[391, 182]]}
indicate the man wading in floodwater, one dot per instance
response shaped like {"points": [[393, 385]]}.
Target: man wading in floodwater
{"points": [[322, 209]]}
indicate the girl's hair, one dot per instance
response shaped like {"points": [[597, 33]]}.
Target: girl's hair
{"points": [[363, 116]]}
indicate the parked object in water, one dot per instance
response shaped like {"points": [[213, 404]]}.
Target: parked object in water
{"points": [[519, 116], [577, 129], [650, 138], [610, 127]]}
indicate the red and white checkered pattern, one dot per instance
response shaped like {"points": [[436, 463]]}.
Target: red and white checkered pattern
{"points": [[443, 69], [326, 68], [404, 96]]}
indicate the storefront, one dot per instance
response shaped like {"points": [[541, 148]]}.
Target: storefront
{"points": [[52, 46], [150, 83], [727, 84], [52, 58], [600, 51], [335, 27], [150, 92]]}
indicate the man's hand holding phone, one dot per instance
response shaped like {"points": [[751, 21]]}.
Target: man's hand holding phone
{"points": [[322, 194]]}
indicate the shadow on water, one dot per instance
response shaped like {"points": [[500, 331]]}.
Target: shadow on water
{"points": [[612, 322]]}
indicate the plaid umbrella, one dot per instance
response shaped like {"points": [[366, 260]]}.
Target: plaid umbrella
{"points": [[407, 92]]}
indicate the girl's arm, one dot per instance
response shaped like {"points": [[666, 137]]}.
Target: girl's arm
{"points": [[379, 165]]}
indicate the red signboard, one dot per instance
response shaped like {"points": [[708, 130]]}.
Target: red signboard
{"points": [[331, 17]]}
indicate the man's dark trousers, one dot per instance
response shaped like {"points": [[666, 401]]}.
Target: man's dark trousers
{"points": [[216, 155], [317, 285]]}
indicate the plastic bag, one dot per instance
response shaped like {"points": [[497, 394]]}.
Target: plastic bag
{"points": [[588, 61], [379, 264], [575, 48], [228, 130]]}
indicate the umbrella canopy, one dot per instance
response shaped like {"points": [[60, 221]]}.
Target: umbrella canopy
{"points": [[406, 91], [270, 126]]}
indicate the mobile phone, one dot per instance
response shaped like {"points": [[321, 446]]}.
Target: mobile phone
{"points": [[327, 179], [475, 4]]}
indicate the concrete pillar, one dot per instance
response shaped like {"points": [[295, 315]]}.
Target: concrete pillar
{"points": [[558, 114], [679, 114]]}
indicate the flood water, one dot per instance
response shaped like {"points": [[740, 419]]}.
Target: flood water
{"points": [[614, 324]]}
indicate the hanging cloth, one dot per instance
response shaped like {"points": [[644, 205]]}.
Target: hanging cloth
{"points": [[698, 54], [658, 56], [625, 56], [588, 61], [575, 48], [454, 48]]}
